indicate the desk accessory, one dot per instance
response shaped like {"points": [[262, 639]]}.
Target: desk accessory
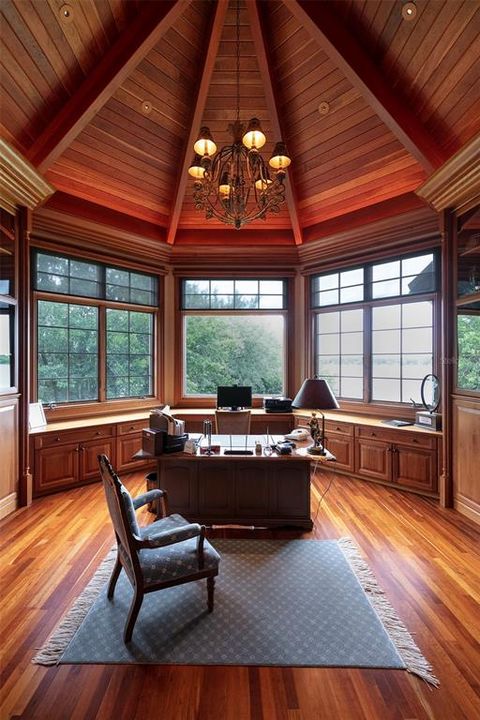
{"points": [[430, 392], [316, 394], [207, 431]]}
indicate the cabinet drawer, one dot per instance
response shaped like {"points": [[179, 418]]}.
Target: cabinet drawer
{"points": [[132, 426], [399, 437], [334, 426], [79, 435]]}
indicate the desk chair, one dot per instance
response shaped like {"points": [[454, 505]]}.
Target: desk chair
{"points": [[232, 422], [170, 551]]}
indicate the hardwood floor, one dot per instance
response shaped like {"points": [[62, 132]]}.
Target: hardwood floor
{"points": [[426, 559]]}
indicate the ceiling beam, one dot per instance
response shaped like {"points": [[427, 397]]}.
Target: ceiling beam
{"points": [[265, 64], [117, 64], [345, 51], [205, 74]]}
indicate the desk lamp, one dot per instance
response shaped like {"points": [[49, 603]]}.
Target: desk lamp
{"points": [[316, 394]]}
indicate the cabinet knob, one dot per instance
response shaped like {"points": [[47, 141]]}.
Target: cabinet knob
{"points": [[82, 447], [415, 440], [98, 432], [132, 427], [77, 449], [337, 428], [57, 439], [373, 434]]}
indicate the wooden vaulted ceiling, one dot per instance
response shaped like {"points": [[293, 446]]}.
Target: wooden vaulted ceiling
{"points": [[105, 98]]}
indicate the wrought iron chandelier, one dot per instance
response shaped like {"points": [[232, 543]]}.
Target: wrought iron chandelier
{"points": [[236, 185]]}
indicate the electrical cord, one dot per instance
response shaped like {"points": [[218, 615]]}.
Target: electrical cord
{"points": [[325, 491]]}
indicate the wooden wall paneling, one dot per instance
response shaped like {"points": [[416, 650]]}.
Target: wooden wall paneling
{"points": [[23, 353], [205, 71], [9, 455], [449, 352], [466, 449], [348, 55], [272, 93], [140, 36]]}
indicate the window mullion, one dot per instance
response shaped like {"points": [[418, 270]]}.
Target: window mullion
{"points": [[367, 354], [102, 353]]}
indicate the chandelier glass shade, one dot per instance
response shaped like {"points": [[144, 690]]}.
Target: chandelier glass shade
{"points": [[236, 185]]}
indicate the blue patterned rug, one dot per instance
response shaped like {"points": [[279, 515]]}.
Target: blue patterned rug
{"points": [[293, 603]]}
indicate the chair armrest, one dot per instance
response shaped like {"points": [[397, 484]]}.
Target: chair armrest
{"points": [[169, 537], [147, 497]]}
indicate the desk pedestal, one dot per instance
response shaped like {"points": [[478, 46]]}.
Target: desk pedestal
{"points": [[260, 491]]}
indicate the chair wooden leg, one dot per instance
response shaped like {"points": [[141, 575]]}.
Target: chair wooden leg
{"points": [[210, 592], [133, 614], [114, 578]]}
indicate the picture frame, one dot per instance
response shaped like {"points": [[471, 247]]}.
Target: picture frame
{"points": [[36, 416]]}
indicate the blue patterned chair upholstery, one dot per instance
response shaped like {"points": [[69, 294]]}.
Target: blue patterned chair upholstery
{"points": [[170, 551]]}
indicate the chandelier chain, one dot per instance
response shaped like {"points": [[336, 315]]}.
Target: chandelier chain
{"points": [[238, 60]]}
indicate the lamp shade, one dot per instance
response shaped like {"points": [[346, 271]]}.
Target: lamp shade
{"points": [[315, 394]]}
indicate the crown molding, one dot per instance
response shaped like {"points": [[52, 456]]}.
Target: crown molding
{"points": [[67, 231], [408, 230], [22, 184], [456, 184]]}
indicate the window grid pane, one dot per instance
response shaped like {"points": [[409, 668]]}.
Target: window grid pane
{"points": [[339, 354], [67, 354], [71, 276], [402, 353], [238, 294], [129, 354]]}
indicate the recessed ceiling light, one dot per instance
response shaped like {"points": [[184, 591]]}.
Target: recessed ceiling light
{"points": [[409, 11], [324, 108], [146, 107], [66, 13]]}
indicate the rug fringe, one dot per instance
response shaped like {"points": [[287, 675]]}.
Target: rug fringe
{"points": [[408, 650], [55, 646]]}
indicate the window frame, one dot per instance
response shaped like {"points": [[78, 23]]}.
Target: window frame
{"points": [[209, 401], [383, 407], [86, 408]]}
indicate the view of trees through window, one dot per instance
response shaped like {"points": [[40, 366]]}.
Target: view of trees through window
{"points": [[228, 350], [468, 332], [92, 350]]}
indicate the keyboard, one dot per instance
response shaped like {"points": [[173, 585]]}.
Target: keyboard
{"points": [[238, 452]]}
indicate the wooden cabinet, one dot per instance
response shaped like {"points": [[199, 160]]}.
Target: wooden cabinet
{"points": [[63, 459], [403, 458]]}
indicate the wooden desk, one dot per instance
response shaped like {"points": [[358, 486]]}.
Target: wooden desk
{"points": [[238, 489]]}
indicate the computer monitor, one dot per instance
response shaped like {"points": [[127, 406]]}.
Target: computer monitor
{"points": [[234, 396]]}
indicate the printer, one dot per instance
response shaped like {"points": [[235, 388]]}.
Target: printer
{"points": [[277, 405], [165, 434]]}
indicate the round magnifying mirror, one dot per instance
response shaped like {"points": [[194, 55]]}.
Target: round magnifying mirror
{"points": [[430, 392]]}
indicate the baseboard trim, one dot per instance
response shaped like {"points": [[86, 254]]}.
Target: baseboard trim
{"points": [[8, 504], [467, 507]]}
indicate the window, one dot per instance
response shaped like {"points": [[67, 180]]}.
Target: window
{"points": [[371, 348], [69, 276], [129, 353], [234, 333], [67, 340], [93, 349]]}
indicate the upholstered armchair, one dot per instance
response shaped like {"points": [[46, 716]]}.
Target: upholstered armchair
{"points": [[170, 551]]}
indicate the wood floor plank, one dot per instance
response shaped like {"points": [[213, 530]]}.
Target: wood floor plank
{"points": [[426, 559]]}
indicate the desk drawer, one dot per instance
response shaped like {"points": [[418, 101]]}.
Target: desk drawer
{"points": [[399, 437], [333, 426], [78, 435], [132, 426]]}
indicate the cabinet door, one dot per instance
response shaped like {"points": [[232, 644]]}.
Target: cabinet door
{"points": [[373, 459], [342, 447], [179, 479], [292, 489], [415, 468], [89, 469], [127, 446], [253, 489], [216, 488], [56, 468]]}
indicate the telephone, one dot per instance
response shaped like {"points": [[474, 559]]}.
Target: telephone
{"points": [[298, 434]]}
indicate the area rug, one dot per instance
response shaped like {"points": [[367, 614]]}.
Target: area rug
{"points": [[294, 603]]}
